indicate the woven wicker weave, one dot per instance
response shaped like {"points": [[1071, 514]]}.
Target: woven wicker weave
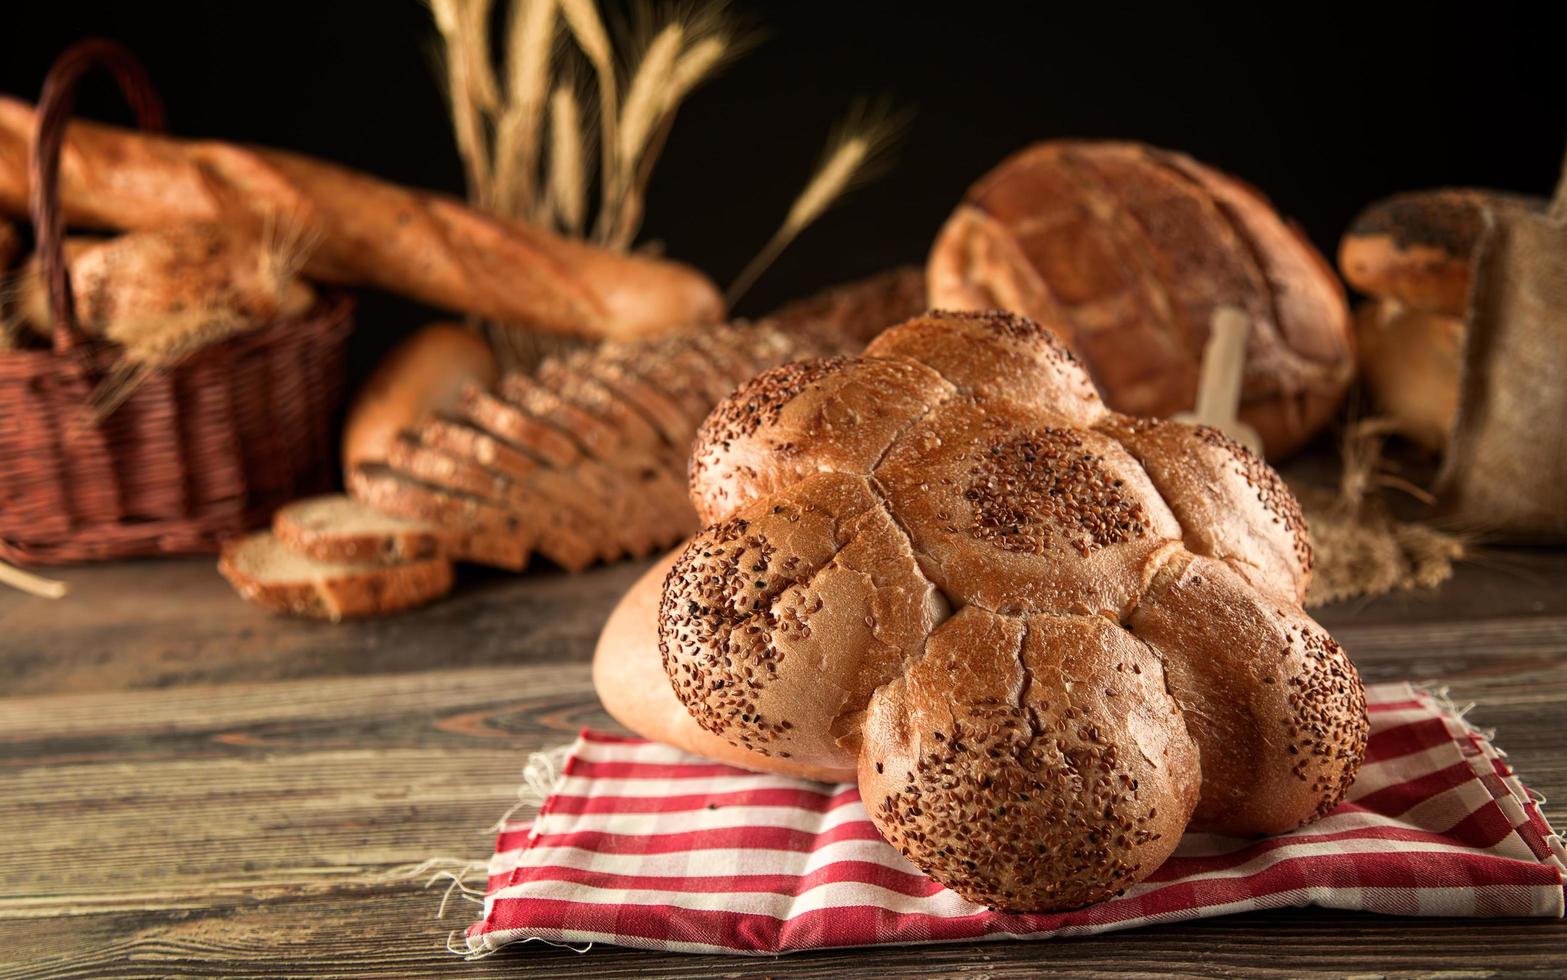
{"points": [[204, 449]]}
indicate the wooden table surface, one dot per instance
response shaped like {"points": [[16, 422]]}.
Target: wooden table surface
{"points": [[190, 787]]}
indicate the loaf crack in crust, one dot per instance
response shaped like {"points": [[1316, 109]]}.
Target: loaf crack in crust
{"points": [[1047, 637]]}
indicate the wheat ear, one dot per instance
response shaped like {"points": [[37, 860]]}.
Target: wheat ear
{"points": [[470, 86], [857, 148], [530, 36], [695, 64], [568, 180], [582, 18], [646, 100]]}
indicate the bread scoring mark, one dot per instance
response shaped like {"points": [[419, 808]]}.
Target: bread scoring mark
{"points": [[1270, 489], [1029, 487]]}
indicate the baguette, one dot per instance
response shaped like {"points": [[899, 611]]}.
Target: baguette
{"points": [[265, 571], [367, 231]]}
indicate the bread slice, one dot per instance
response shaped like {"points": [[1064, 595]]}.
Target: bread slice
{"points": [[501, 418], [640, 482], [337, 528], [265, 571], [672, 419], [484, 531], [562, 525]]}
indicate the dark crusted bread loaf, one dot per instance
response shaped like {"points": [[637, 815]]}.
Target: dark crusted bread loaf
{"points": [[1047, 637], [1125, 251]]}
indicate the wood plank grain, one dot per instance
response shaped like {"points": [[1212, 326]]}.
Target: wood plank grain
{"points": [[160, 624], [227, 801], [192, 788]]}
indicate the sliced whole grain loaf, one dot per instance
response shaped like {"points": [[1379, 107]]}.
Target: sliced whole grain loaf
{"points": [[501, 418], [590, 394], [576, 522], [459, 438], [387, 490], [267, 572], [337, 528], [561, 528], [647, 478], [672, 419], [411, 456]]}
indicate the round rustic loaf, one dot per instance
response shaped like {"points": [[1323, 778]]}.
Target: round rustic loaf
{"points": [[1126, 251], [1048, 637]]}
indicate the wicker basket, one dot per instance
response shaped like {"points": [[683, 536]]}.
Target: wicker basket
{"points": [[203, 450]]}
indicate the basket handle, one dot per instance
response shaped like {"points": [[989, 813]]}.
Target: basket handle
{"points": [[55, 106]]}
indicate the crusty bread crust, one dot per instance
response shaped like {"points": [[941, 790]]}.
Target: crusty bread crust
{"points": [[628, 674], [1036, 629], [1126, 251], [337, 592]]}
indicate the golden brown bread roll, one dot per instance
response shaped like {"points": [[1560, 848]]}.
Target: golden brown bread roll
{"points": [[1048, 638], [1126, 251], [425, 374], [1412, 362], [1417, 248]]}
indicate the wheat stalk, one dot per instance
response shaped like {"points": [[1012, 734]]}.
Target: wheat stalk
{"points": [[568, 190], [647, 95], [582, 18], [530, 36], [470, 85], [43, 588], [857, 148], [646, 102], [698, 61], [696, 64]]}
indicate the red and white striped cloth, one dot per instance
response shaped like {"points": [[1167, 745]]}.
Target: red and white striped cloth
{"points": [[642, 845]]}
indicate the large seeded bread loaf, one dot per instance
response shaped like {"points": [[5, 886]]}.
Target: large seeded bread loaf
{"points": [[1048, 638]]}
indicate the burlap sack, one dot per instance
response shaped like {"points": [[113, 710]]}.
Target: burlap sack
{"points": [[1506, 466]]}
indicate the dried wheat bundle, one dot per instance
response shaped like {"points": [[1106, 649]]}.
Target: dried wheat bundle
{"points": [[162, 295], [523, 136], [1361, 548]]}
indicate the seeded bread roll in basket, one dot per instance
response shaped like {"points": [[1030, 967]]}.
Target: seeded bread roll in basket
{"points": [[1047, 637]]}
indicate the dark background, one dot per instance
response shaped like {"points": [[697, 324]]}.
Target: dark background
{"points": [[1325, 108]]}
